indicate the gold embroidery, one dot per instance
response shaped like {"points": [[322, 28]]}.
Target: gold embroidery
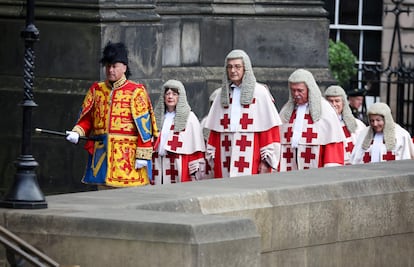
{"points": [[79, 130], [143, 153], [140, 104], [121, 116], [120, 82], [121, 162]]}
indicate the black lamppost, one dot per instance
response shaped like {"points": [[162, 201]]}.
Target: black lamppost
{"points": [[25, 192]]}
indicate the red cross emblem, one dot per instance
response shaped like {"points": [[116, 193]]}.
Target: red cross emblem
{"points": [[349, 147], [306, 117], [241, 164], [172, 171], [308, 155], [245, 121], [288, 134], [225, 121], [243, 143], [388, 156], [226, 143], [226, 163], [367, 157], [346, 131], [155, 172], [288, 155], [174, 143], [247, 105], [309, 118], [293, 117], [309, 135]]}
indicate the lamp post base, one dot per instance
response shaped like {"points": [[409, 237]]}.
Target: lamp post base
{"points": [[23, 205], [25, 192]]}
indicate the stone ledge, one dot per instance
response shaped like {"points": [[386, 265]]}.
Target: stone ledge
{"points": [[301, 216], [137, 225]]}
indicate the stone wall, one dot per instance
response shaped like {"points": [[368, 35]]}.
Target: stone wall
{"points": [[279, 36], [166, 39], [361, 215]]}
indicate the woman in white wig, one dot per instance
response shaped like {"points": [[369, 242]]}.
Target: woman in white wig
{"points": [[382, 140], [179, 150], [351, 126]]}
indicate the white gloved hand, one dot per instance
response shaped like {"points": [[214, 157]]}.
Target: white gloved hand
{"points": [[269, 156], [193, 166], [201, 174], [210, 154], [72, 137], [139, 163]]}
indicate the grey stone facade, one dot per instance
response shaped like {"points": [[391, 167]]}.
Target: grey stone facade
{"points": [[166, 39]]}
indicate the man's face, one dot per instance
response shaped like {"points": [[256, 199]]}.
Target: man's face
{"points": [[355, 101], [115, 71], [235, 70], [377, 123], [337, 103], [299, 92]]}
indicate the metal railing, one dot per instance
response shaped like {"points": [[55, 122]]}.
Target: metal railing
{"points": [[398, 85], [397, 81], [19, 251]]}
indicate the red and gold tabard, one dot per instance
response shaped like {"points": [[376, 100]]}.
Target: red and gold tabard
{"points": [[122, 124]]}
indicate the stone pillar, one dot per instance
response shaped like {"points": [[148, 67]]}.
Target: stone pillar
{"points": [[166, 39], [72, 36], [279, 36]]}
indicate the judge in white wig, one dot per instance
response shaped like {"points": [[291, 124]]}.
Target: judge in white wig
{"points": [[179, 150], [350, 125], [243, 123], [383, 139], [311, 134]]}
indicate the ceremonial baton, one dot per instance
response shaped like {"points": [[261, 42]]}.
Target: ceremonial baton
{"points": [[38, 130]]}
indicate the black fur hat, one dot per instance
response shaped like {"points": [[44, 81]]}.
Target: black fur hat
{"points": [[357, 92], [113, 53]]}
